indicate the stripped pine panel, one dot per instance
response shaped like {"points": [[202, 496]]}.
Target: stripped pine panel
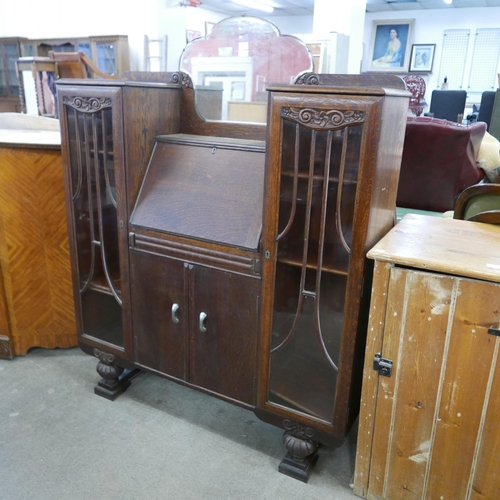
{"points": [[418, 373], [381, 274], [395, 312], [485, 478], [34, 252], [464, 389]]}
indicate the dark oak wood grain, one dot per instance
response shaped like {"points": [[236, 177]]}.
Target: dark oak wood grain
{"points": [[239, 258]]}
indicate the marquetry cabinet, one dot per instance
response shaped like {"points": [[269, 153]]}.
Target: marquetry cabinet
{"points": [[36, 307], [430, 409], [230, 257]]}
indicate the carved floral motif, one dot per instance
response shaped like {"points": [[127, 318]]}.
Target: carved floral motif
{"points": [[104, 357], [87, 104], [319, 118], [298, 430]]}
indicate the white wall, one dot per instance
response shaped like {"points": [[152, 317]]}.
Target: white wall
{"points": [[429, 27], [62, 18]]}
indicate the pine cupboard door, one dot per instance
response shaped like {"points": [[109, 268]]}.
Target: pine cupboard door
{"points": [[160, 313], [223, 336], [92, 125], [320, 157], [433, 429]]}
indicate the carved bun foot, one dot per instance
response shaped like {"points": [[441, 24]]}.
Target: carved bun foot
{"points": [[111, 385], [301, 457]]}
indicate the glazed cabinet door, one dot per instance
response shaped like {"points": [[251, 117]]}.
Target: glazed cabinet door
{"points": [[160, 313], [96, 202], [314, 241], [223, 342]]}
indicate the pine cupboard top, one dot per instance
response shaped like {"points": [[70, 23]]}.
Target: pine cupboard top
{"points": [[457, 247]]}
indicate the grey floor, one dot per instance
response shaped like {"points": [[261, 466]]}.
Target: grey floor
{"points": [[157, 441]]}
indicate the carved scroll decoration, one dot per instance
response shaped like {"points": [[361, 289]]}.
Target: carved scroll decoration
{"points": [[319, 118], [87, 104], [183, 78], [307, 79]]}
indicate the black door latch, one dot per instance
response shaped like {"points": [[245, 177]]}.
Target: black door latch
{"points": [[382, 365]]}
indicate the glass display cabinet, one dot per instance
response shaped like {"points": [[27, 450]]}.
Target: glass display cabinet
{"points": [[230, 256], [10, 51]]}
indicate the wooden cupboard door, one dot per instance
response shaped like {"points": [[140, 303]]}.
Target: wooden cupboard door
{"points": [[433, 424], [223, 340], [159, 313]]}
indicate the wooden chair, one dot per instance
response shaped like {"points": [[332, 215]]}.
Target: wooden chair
{"points": [[479, 203], [77, 65]]}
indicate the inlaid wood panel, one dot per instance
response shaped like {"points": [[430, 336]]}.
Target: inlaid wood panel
{"points": [[34, 253]]}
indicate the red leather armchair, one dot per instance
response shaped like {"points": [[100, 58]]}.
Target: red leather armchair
{"points": [[439, 162]]}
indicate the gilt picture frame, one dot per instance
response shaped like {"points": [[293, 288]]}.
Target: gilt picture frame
{"points": [[390, 46]]}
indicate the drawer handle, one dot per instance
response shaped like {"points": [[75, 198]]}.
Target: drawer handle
{"points": [[175, 308], [494, 331], [202, 326]]}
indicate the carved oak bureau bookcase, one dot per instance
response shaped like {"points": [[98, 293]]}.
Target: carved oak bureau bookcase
{"points": [[230, 257]]}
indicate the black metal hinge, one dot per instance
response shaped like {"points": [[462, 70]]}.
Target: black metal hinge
{"points": [[382, 366]]}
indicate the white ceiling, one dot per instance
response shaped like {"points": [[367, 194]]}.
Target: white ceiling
{"points": [[306, 7]]}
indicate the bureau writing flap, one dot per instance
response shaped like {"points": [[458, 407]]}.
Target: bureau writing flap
{"points": [[208, 190]]}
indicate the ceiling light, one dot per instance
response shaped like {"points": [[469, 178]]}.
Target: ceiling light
{"points": [[254, 4], [448, 1]]}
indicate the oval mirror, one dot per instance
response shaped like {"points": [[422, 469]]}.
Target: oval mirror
{"points": [[231, 66]]}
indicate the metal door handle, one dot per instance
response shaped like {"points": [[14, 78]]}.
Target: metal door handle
{"points": [[202, 326], [175, 308]]}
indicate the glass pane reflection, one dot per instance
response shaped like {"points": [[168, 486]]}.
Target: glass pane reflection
{"points": [[231, 67]]}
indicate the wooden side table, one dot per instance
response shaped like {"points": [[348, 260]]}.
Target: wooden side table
{"points": [[430, 401]]}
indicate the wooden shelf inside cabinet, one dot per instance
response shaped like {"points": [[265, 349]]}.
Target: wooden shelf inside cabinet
{"points": [[337, 264], [100, 284], [317, 178]]}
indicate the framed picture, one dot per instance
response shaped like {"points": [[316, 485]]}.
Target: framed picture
{"points": [[208, 27], [390, 45], [422, 57], [237, 91], [192, 35]]}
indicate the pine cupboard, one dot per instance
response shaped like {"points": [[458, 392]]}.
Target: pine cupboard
{"points": [[230, 257], [429, 413]]}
